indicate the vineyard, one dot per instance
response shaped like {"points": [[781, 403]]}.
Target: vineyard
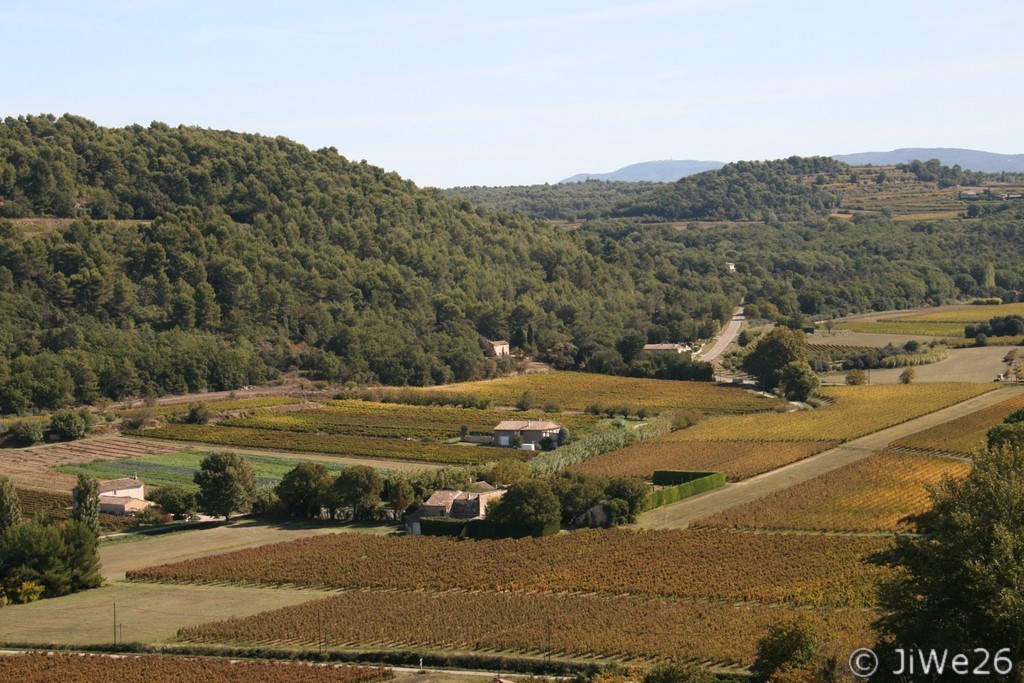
{"points": [[570, 625], [809, 571], [33, 467], [255, 403], [354, 446], [904, 326], [394, 420], [857, 411], [177, 469], [879, 493], [35, 502], [738, 459], [576, 391], [966, 314], [59, 667], [963, 435]]}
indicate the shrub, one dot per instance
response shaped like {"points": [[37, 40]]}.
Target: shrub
{"points": [[907, 376], [137, 419], [68, 425], [25, 433], [525, 401], [856, 378], [179, 501], [199, 414]]}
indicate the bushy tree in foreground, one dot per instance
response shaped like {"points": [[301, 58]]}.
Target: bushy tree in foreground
{"points": [[775, 351], [227, 484], [960, 586], [302, 489], [530, 504]]}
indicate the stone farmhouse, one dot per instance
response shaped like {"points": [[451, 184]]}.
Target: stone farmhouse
{"points": [[457, 504], [496, 349], [529, 431], [121, 496]]}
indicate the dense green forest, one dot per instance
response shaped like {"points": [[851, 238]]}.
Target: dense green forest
{"points": [[560, 202], [238, 256], [195, 259], [745, 190]]}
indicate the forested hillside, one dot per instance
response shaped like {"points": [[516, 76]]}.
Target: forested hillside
{"points": [[238, 256], [565, 201]]}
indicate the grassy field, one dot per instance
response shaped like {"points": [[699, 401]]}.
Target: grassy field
{"points": [[178, 468], [880, 493], [978, 365], [576, 391], [33, 468], [146, 613]]}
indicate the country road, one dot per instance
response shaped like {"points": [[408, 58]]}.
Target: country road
{"points": [[684, 513], [728, 334]]}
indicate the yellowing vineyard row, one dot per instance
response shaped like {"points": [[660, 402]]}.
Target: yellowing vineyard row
{"points": [[816, 571], [254, 403], [353, 446], [395, 420], [879, 493], [904, 326], [968, 314], [857, 411], [738, 459], [573, 625], [577, 390], [58, 667], [963, 435]]}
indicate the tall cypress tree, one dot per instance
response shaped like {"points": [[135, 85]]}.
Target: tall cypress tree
{"points": [[87, 502], [10, 505]]}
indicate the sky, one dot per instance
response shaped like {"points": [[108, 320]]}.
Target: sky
{"points": [[453, 93]]}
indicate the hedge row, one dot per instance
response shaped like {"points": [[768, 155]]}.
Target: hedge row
{"points": [[671, 494]]}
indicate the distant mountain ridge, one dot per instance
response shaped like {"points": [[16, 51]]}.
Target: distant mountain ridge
{"points": [[665, 171], [967, 159], [670, 171]]}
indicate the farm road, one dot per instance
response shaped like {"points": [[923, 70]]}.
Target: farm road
{"points": [[680, 515], [731, 331]]}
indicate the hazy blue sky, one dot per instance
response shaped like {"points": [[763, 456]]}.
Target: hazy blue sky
{"points": [[459, 93]]}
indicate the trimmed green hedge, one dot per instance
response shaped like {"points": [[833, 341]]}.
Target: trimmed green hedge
{"points": [[480, 528], [676, 477], [690, 486]]}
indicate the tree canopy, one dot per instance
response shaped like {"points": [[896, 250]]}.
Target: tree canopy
{"points": [[227, 484], [960, 586]]}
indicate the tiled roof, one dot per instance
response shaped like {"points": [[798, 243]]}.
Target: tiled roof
{"points": [[443, 498], [116, 484], [524, 425]]}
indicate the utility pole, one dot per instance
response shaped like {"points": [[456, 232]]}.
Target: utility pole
{"points": [[115, 623]]}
